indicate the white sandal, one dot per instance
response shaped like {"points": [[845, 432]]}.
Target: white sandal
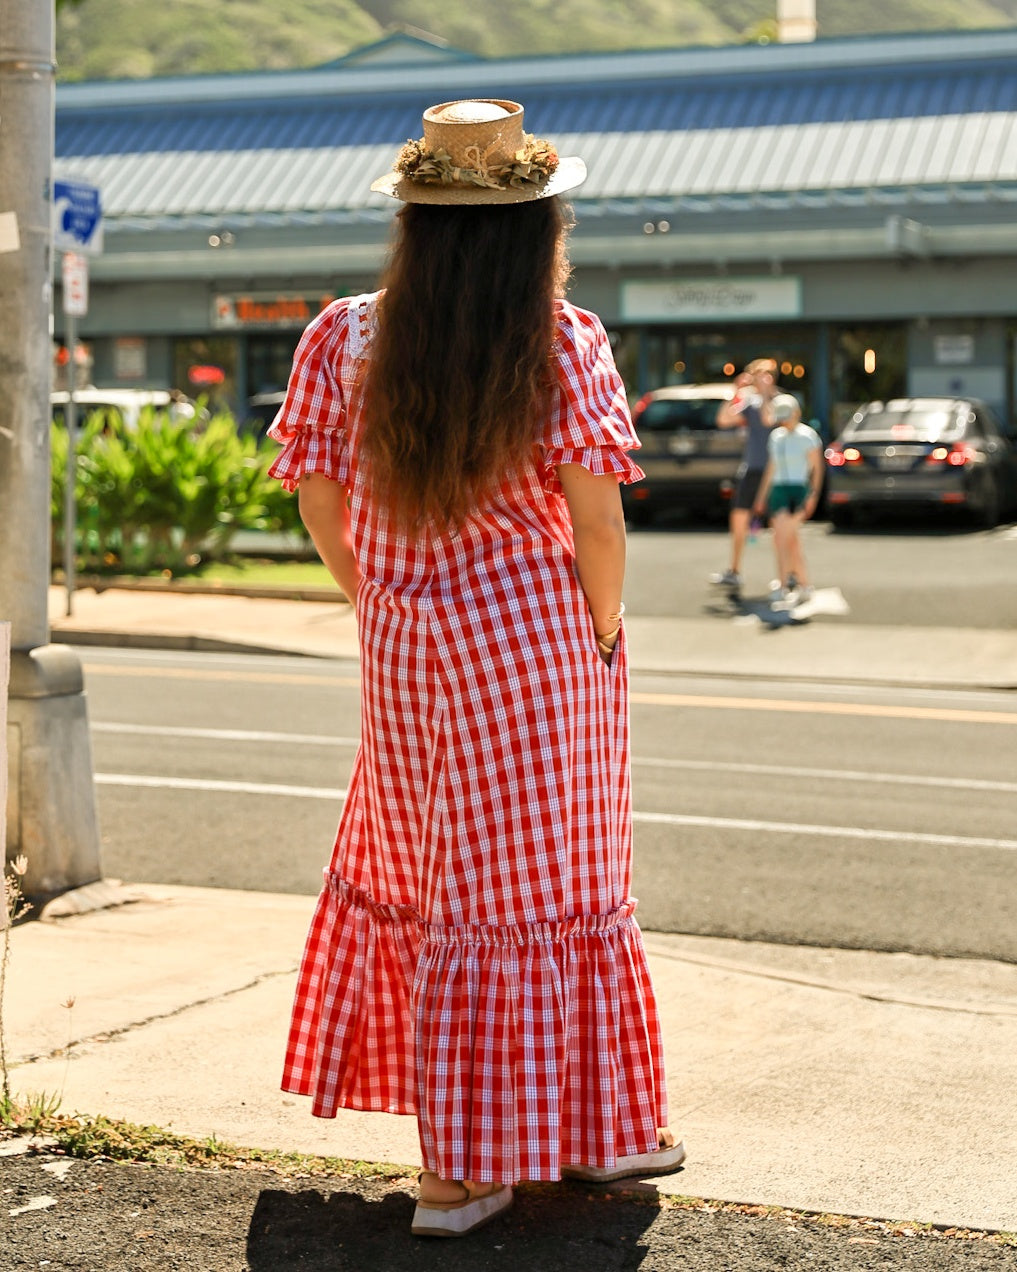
{"points": [[667, 1157], [456, 1218]]}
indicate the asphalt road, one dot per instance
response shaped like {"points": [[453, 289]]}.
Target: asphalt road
{"points": [[915, 574], [827, 815]]}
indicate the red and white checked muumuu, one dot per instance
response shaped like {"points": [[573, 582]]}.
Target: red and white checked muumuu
{"points": [[474, 958]]}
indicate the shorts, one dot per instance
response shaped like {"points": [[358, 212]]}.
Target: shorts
{"points": [[788, 498], [747, 488]]}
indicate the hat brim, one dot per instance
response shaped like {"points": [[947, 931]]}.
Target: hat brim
{"points": [[571, 172]]}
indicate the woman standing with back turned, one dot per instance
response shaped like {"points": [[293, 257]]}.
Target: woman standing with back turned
{"points": [[457, 440]]}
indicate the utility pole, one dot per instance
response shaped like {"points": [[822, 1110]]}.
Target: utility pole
{"points": [[51, 815]]}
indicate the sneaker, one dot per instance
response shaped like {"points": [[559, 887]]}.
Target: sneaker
{"points": [[726, 578], [794, 596], [778, 592]]}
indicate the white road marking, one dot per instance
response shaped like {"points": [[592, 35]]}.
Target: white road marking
{"points": [[702, 766], [667, 819], [210, 784], [830, 832], [227, 735], [833, 775]]}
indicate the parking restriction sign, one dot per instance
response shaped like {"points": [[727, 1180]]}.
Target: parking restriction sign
{"points": [[75, 276], [77, 217]]}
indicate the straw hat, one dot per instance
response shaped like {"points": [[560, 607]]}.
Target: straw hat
{"points": [[475, 151]]}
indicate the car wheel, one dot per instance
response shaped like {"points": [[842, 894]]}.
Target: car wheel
{"points": [[841, 518]]}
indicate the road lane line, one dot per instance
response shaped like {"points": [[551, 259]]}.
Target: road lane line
{"points": [[948, 715], [836, 775], [666, 819], [954, 715], [830, 832], [247, 677], [224, 735], [211, 784], [649, 761]]}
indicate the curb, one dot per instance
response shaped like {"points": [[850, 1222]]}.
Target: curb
{"points": [[213, 644], [171, 587]]}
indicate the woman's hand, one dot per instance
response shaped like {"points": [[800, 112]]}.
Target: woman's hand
{"points": [[606, 644]]}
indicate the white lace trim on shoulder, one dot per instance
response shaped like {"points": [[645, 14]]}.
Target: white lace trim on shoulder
{"points": [[363, 322]]}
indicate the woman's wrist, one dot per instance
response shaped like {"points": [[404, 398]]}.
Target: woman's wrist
{"points": [[611, 625]]}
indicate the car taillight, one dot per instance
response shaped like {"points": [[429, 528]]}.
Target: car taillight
{"points": [[838, 456], [641, 406], [956, 455]]}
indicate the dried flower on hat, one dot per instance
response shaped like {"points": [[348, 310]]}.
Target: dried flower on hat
{"points": [[532, 165]]}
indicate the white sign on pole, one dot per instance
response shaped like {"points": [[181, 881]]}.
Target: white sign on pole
{"points": [[77, 217], [75, 284], [10, 240], [5, 677]]}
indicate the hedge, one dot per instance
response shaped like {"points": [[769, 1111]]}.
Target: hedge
{"points": [[166, 495]]}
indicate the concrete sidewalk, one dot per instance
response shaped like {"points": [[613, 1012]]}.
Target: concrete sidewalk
{"points": [[825, 649], [875, 1084]]}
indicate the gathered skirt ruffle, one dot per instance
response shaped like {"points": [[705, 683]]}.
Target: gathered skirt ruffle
{"points": [[521, 1048]]}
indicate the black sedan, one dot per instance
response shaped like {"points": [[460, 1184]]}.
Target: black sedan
{"points": [[919, 454]]}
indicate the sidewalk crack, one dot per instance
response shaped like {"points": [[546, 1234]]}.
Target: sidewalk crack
{"points": [[106, 1035], [831, 987]]}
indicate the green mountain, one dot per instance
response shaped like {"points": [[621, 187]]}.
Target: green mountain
{"points": [[136, 39]]}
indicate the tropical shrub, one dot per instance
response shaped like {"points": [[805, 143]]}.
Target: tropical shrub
{"points": [[164, 495]]}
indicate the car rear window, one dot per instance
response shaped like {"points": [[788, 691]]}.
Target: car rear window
{"points": [[937, 425], [673, 413]]}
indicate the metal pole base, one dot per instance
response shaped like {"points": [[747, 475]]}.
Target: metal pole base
{"points": [[51, 813]]}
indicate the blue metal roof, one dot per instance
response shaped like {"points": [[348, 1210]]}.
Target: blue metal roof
{"points": [[731, 135]]}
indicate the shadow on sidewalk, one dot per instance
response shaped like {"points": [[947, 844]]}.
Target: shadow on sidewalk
{"points": [[761, 611], [557, 1227]]}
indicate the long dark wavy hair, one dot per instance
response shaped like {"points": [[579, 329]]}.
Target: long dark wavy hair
{"points": [[460, 368]]}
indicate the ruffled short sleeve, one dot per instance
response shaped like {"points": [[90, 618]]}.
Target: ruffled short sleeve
{"points": [[311, 423], [589, 422]]}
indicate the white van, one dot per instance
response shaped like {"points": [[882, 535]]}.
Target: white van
{"points": [[128, 403]]}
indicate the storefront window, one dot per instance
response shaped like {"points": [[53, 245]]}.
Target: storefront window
{"points": [[698, 356], [207, 367], [868, 363], [269, 358]]}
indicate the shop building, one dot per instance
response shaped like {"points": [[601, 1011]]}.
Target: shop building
{"points": [[845, 205]]}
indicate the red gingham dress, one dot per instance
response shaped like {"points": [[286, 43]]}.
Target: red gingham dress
{"points": [[473, 958]]}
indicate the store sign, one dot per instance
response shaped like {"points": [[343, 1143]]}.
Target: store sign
{"points": [[230, 313], [205, 375], [711, 299], [130, 358], [954, 350]]}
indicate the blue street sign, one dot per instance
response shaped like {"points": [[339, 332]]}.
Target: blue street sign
{"points": [[77, 217]]}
